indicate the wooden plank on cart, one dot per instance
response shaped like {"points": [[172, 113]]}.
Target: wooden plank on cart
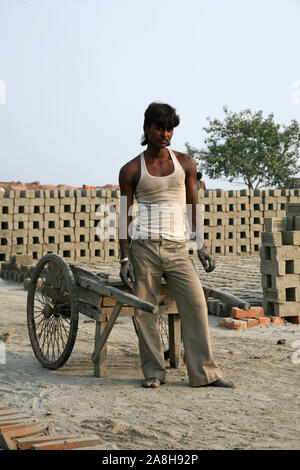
{"points": [[102, 286], [174, 340], [103, 338], [78, 272], [89, 310], [120, 296], [226, 298], [101, 364], [89, 297]]}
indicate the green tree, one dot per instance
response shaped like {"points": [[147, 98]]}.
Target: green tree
{"points": [[248, 148]]}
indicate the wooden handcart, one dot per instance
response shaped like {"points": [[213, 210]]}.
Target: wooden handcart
{"points": [[58, 292]]}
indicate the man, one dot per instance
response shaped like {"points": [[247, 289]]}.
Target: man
{"points": [[200, 183], [162, 182]]}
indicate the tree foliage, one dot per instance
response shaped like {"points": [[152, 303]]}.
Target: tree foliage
{"points": [[248, 148]]}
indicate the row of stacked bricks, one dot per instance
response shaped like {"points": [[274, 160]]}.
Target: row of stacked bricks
{"points": [[280, 263], [233, 220], [66, 221], [79, 225]]}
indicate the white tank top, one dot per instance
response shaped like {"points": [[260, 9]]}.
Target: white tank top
{"points": [[161, 203]]}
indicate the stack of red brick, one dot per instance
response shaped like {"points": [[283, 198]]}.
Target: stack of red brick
{"points": [[20, 431], [255, 316], [36, 185]]}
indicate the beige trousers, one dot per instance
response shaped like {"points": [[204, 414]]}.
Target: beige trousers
{"points": [[150, 260]]}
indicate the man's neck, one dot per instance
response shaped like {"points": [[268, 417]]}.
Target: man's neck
{"points": [[155, 153]]}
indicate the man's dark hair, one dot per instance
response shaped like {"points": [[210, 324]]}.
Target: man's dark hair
{"points": [[162, 115], [199, 175]]}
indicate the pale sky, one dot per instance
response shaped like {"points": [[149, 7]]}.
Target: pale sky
{"points": [[79, 74]]}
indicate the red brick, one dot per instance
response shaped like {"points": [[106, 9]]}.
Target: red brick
{"points": [[295, 320], [8, 412], [10, 420], [27, 442], [229, 322], [9, 434], [68, 444], [278, 320], [252, 312], [264, 320], [251, 322], [26, 429]]}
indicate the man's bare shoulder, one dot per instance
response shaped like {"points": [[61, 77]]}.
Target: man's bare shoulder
{"points": [[130, 167], [186, 161]]}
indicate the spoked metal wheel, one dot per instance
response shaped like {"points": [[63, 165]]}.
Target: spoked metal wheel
{"points": [[52, 311]]}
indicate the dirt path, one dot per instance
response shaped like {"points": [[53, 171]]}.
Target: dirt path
{"points": [[261, 413]]}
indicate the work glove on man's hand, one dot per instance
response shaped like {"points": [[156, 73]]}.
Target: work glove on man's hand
{"points": [[126, 273], [206, 259]]}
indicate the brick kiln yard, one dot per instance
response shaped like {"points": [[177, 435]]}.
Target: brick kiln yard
{"points": [[261, 413]]}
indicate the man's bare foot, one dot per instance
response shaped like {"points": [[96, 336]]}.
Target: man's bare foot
{"points": [[152, 382], [221, 383]]}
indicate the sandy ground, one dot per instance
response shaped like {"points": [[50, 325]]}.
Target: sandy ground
{"points": [[261, 413]]}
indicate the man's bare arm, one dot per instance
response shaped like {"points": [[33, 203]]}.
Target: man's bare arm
{"points": [[206, 259], [126, 182], [195, 211], [126, 202]]}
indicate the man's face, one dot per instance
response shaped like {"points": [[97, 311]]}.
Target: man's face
{"points": [[159, 136]]}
